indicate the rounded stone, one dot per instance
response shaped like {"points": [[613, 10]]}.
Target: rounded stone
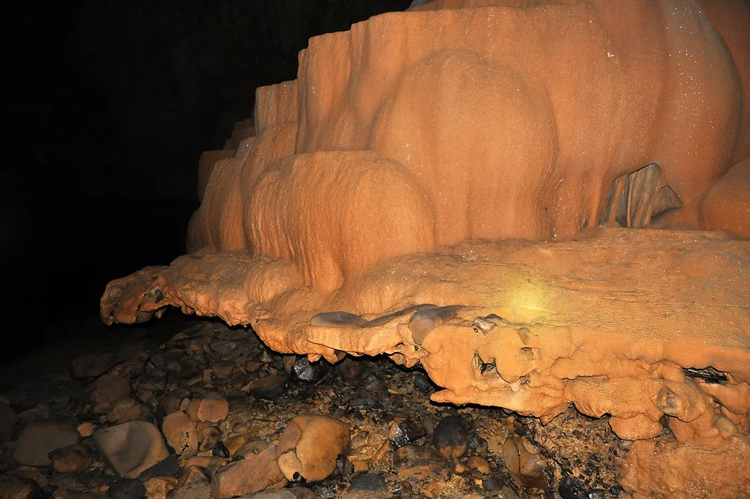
{"points": [[39, 438]]}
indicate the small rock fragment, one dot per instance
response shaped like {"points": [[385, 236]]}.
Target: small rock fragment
{"points": [[131, 448], [310, 446], [350, 368], [254, 473], [268, 388], [127, 488], [168, 467], [39, 438], [419, 462], [208, 438], [17, 487], [368, 486], [107, 390], [120, 409], [86, 429], [223, 369], [159, 487], [193, 474], [181, 434], [90, 366], [523, 462], [424, 384], [451, 437], [223, 347], [130, 361], [214, 409], [405, 431], [493, 484], [299, 369], [72, 458], [479, 464]]}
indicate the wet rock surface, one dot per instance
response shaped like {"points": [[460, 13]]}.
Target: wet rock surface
{"points": [[365, 429]]}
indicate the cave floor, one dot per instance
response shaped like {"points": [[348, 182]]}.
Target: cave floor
{"points": [[396, 431]]}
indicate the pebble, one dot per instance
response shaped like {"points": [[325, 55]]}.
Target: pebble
{"points": [[131, 448], [424, 384], [8, 420], [351, 367], [268, 388], [127, 409], [194, 474], [213, 409], [72, 458], [253, 366], [180, 432], [209, 438], [300, 370], [86, 429], [254, 473], [107, 390], [310, 446], [127, 488], [223, 347], [493, 484], [159, 487], [130, 361], [451, 437], [168, 467], [90, 366], [419, 462], [479, 464], [18, 487], [368, 486], [223, 369], [405, 431], [39, 438], [524, 463]]}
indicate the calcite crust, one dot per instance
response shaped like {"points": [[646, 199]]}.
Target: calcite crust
{"points": [[542, 203]]}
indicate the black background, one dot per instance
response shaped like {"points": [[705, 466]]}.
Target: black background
{"points": [[107, 108]]}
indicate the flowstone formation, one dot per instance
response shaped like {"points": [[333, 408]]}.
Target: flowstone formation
{"points": [[542, 203]]}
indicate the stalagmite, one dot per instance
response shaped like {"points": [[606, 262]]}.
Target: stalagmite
{"points": [[542, 203]]}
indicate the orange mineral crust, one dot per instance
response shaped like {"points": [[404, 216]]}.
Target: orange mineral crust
{"points": [[542, 203]]}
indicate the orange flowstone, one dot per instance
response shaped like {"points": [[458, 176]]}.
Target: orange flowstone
{"points": [[421, 191]]}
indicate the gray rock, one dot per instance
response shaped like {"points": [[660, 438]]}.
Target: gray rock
{"points": [[127, 488], [17, 487], [451, 437], [39, 438], [131, 448], [107, 390], [90, 366], [420, 462]]}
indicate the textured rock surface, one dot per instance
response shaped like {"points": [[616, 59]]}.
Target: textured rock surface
{"points": [[382, 205], [310, 446], [40, 438], [131, 448]]}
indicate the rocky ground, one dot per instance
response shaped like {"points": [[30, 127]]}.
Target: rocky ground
{"points": [[188, 408]]}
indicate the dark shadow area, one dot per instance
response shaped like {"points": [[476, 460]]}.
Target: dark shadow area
{"points": [[109, 106]]}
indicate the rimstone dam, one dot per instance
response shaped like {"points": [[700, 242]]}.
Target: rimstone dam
{"points": [[543, 204]]}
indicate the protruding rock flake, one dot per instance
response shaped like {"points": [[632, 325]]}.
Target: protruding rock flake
{"points": [[542, 204]]}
